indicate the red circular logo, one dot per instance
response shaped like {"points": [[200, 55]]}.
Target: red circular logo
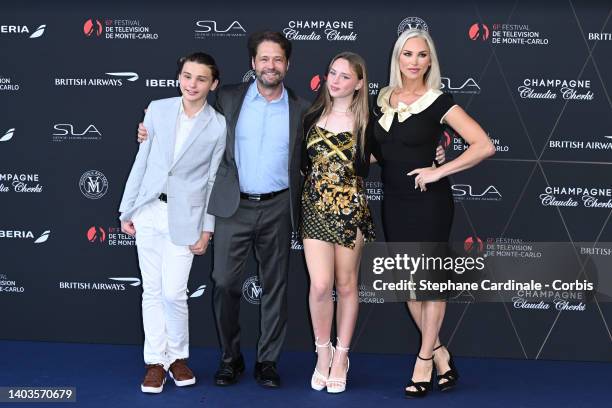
{"points": [[96, 234], [315, 83], [478, 30], [446, 139], [92, 27], [473, 244]]}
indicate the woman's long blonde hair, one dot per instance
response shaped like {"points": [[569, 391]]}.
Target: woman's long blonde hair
{"points": [[359, 105], [432, 75]]}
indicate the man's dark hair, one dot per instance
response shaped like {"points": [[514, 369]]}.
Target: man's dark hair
{"points": [[274, 36], [200, 58]]}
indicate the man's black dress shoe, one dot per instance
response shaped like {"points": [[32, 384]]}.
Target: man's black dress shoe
{"points": [[266, 374], [228, 373]]}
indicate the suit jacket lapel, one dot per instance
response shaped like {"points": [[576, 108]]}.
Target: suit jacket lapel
{"points": [[171, 122], [294, 121], [198, 127], [238, 98]]}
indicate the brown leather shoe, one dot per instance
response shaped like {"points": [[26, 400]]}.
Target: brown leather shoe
{"points": [[154, 379], [181, 374]]}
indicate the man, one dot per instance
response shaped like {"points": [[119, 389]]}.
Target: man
{"points": [[255, 199]]}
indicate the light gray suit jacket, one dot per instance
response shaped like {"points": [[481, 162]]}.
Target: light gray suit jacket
{"points": [[188, 180]]}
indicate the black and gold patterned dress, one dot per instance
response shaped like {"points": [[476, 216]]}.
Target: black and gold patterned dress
{"points": [[334, 203]]}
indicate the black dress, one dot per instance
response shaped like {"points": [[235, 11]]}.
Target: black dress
{"points": [[334, 203], [408, 214]]}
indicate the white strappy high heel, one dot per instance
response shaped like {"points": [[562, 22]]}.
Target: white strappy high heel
{"points": [[337, 385], [318, 380]]}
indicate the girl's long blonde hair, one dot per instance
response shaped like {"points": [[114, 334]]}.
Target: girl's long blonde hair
{"points": [[359, 105]]}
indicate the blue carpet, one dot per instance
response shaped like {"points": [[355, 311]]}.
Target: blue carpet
{"points": [[109, 376]]}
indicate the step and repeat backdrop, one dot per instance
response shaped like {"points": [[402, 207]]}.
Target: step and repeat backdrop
{"points": [[74, 80]]}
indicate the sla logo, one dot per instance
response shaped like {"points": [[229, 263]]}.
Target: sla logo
{"points": [[473, 244], [67, 131], [248, 76], [8, 135], [479, 31], [17, 29], [210, 28], [468, 87], [466, 192], [25, 235], [96, 234], [93, 184], [251, 290], [410, 23], [92, 27]]}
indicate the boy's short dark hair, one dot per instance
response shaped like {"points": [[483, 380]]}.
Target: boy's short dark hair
{"points": [[200, 58]]}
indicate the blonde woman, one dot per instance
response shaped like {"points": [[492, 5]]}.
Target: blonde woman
{"points": [[336, 220], [418, 206]]}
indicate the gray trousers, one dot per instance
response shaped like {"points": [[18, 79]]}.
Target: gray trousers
{"points": [[264, 226]]}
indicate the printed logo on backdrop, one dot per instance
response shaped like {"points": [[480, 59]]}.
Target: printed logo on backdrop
{"points": [[366, 295], [9, 286], [479, 31], [118, 29], [469, 192], [315, 30], [452, 138], [374, 190], [251, 290], [317, 80], [116, 284], [109, 236], [373, 88], [600, 36], [112, 79], [92, 27], [8, 135], [555, 89], [69, 132], [605, 143], [469, 86], [296, 241], [20, 183], [28, 235], [211, 28], [506, 34], [249, 76], [410, 23], [509, 247], [22, 31], [473, 245], [518, 248], [576, 196], [93, 184], [161, 83], [7, 84]]}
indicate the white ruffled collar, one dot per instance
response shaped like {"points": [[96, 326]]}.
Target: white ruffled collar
{"points": [[403, 111]]}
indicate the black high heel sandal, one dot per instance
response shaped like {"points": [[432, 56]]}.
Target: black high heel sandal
{"points": [[422, 387], [451, 376]]}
